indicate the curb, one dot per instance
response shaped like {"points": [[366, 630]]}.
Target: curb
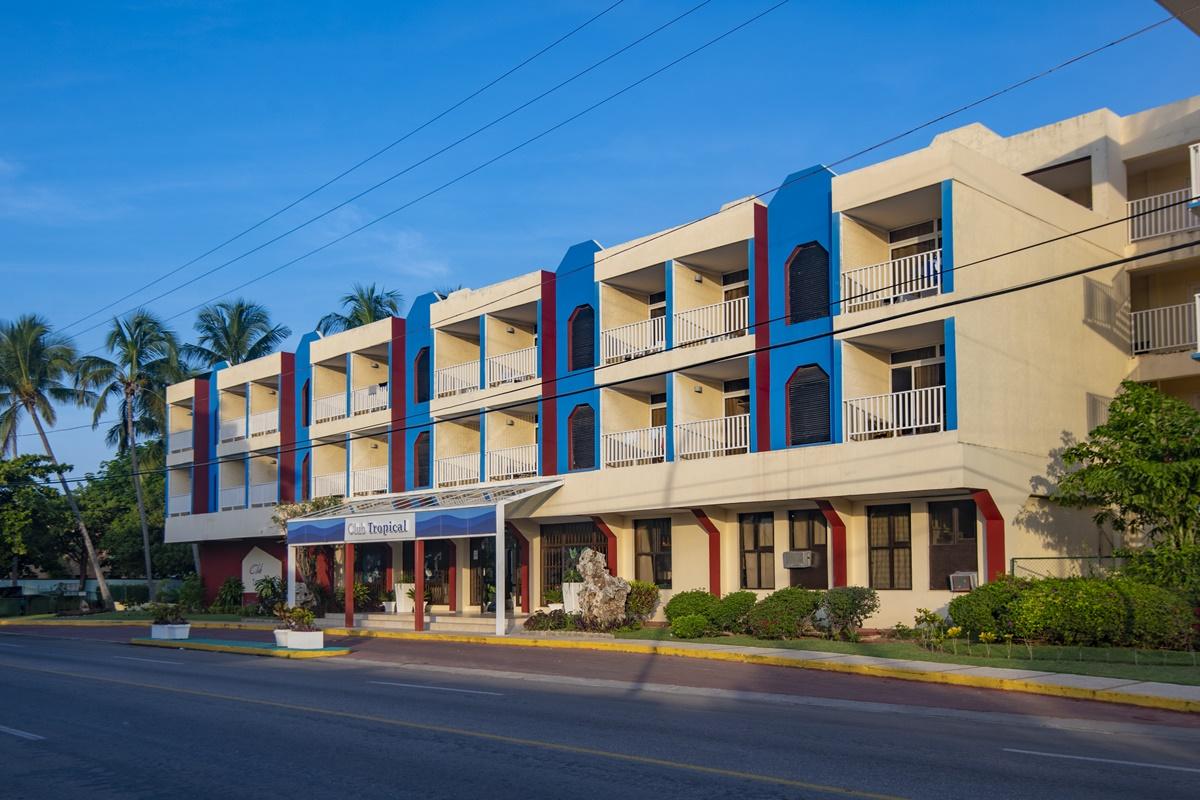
{"points": [[223, 647], [1026, 686]]}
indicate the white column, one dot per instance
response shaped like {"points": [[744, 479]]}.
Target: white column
{"points": [[500, 564], [291, 575]]}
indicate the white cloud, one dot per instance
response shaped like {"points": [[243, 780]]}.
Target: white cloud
{"points": [[381, 248]]}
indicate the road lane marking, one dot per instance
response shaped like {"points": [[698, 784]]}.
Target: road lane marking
{"points": [[465, 733], [33, 737], [1118, 761], [435, 688], [147, 660], [5, 644]]}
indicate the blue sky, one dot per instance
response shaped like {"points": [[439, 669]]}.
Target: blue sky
{"points": [[135, 136]]}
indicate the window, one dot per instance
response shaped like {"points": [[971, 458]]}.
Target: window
{"points": [[652, 540], [889, 537], [306, 478], [562, 543], [807, 283], [422, 467], [306, 399], [421, 376], [952, 537], [581, 438], [735, 285], [807, 531], [658, 410], [737, 397], [657, 303], [756, 535], [914, 239], [581, 339], [808, 406]]}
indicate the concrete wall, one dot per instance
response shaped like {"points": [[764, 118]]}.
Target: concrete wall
{"points": [[621, 306], [691, 405], [623, 410], [451, 349], [692, 294], [500, 340], [368, 451]]}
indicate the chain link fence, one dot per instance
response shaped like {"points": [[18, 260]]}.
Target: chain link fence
{"points": [[1064, 566]]}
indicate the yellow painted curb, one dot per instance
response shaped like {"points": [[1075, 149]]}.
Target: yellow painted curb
{"points": [[213, 647], [633, 646]]}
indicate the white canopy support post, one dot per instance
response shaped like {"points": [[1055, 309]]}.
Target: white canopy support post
{"points": [[501, 580], [291, 574]]}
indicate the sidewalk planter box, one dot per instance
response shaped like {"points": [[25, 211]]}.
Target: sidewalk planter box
{"points": [[170, 631], [305, 640], [281, 637], [389, 606], [571, 593], [404, 603]]}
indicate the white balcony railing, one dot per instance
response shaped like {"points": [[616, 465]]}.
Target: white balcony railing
{"points": [[509, 463], [634, 340], [1161, 214], [519, 365], [330, 485], [1166, 328], [264, 494], [178, 504], [372, 480], [892, 281], [706, 438], [369, 398], [713, 323], [329, 407], [895, 414], [180, 440], [457, 470], [232, 429], [264, 422], [456, 379], [640, 446], [233, 497]]}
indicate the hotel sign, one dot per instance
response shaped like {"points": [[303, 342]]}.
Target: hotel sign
{"points": [[380, 528], [399, 526]]}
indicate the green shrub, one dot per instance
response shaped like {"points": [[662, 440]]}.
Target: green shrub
{"points": [[191, 592], [229, 597], [1080, 611], [844, 608], [642, 600], [694, 601], [988, 607], [689, 626], [729, 613], [270, 591], [168, 594], [1154, 617], [1175, 568], [785, 614], [131, 594]]}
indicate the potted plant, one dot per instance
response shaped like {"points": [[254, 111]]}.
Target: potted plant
{"points": [[168, 622], [389, 601], [554, 599], [412, 598], [572, 585], [302, 633], [405, 586], [283, 626]]}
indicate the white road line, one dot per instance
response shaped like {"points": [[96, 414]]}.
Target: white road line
{"points": [[5, 644], [147, 660], [435, 688], [1102, 760], [33, 737]]}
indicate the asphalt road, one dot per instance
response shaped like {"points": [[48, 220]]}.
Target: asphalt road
{"points": [[83, 717]]}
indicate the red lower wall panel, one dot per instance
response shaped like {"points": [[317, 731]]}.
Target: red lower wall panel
{"points": [[221, 560]]}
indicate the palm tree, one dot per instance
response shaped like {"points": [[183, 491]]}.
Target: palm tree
{"points": [[34, 361], [363, 305], [146, 359], [234, 331]]}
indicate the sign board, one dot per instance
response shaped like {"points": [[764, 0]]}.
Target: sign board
{"points": [[259, 564], [397, 526]]}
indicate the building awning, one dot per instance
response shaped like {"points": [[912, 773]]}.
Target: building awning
{"points": [[437, 514]]}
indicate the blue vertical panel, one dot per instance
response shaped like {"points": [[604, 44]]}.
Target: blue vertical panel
{"points": [[947, 236], [246, 415], [951, 375], [482, 354], [575, 285], [303, 447], [751, 360], [213, 470], [483, 472], [835, 394], [418, 335], [835, 264], [246, 480], [349, 380], [668, 322], [670, 431]]}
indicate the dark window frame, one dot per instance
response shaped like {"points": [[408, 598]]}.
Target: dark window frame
{"points": [[571, 454], [961, 553], [787, 389], [793, 316], [657, 550], [572, 366], [422, 472], [422, 379], [758, 551], [892, 547]]}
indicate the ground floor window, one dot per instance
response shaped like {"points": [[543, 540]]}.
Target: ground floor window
{"points": [[952, 541], [561, 545], [756, 536], [808, 532], [652, 539], [889, 538]]}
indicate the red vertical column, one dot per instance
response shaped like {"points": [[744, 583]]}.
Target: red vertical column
{"points": [[200, 443], [419, 587], [453, 576], [523, 544], [993, 534], [348, 582], [612, 543], [714, 551], [837, 541], [548, 341], [287, 428], [762, 333], [398, 393]]}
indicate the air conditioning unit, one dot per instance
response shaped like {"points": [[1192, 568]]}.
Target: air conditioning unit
{"points": [[797, 559], [963, 581]]}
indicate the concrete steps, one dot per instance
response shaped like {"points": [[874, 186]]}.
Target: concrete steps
{"points": [[436, 622]]}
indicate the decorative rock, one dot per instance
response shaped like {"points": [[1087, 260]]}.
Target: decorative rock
{"points": [[602, 602]]}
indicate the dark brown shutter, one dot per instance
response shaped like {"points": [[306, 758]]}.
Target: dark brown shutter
{"points": [[808, 406], [808, 283], [421, 376], [421, 465], [583, 338], [582, 424]]}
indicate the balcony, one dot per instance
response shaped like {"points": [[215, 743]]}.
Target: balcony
{"points": [[180, 440], [712, 323], [1160, 330], [634, 340], [457, 470], [264, 423], [179, 504], [371, 480], [893, 281], [264, 494], [1161, 215], [458, 379], [368, 399], [329, 485], [233, 497], [709, 438], [640, 446], [894, 414], [513, 367], [329, 407], [510, 463], [232, 430]]}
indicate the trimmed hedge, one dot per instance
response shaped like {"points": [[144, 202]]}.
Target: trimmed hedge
{"points": [[729, 613], [641, 601], [1154, 616], [694, 601], [844, 608], [784, 614], [989, 607], [689, 626]]}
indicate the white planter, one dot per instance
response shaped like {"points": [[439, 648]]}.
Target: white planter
{"points": [[554, 606], [404, 603], [389, 606], [571, 593], [281, 637], [170, 631], [305, 640]]}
